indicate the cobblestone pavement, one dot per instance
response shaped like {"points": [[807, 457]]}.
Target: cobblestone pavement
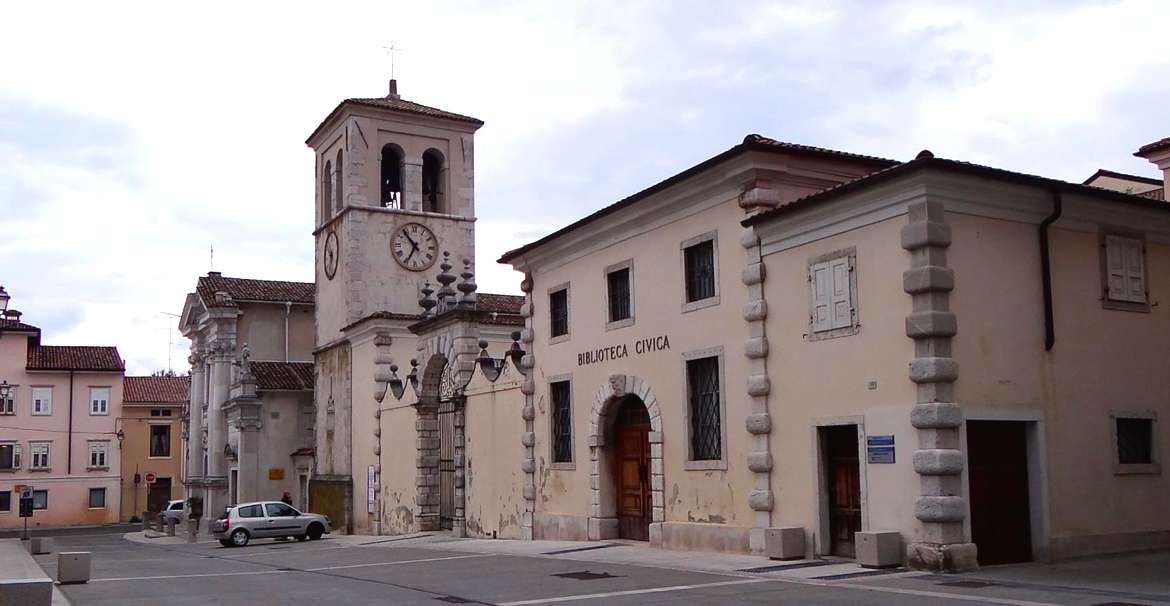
{"points": [[436, 570]]}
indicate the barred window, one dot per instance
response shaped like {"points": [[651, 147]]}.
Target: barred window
{"points": [[699, 263], [703, 393], [562, 422], [558, 309], [618, 283], [97, 498], [1135, 441]]}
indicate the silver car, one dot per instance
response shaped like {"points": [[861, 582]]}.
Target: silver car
{"points": [[246, 521], [173, 511]]}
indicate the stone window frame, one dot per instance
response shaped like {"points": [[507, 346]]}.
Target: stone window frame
{"points": [[105, 495], [1103, 255], [89, 450], [570, 465], [565, 286], [17, 456], [1154, 467], [611, 324], [109, 396], [32, 455], [855, 326], [711, 301], [32, 401], [690, 464], [150, 425], [12, 393]]}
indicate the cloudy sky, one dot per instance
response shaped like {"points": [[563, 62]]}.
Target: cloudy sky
{"points": [[135, 136]]}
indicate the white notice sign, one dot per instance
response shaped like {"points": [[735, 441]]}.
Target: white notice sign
{"points": [[370, 489]]}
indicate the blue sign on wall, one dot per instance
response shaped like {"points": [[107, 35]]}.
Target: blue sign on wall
{"points": [[879, 449]]}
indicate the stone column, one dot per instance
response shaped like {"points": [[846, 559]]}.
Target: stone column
{"points": [[195, 402], [219, 379], [426, 427], [246, 417], [759, 422], [942, 543], [412, 184]]}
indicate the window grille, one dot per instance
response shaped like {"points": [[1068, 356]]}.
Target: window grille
{"points": [[558, 303], [703, 388], [699, 260], [619, 294], [562, 422], [1135, 441]]}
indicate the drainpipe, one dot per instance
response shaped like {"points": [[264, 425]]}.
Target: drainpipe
{"points": [[69, 443], [287, 311], [1046, 269]]}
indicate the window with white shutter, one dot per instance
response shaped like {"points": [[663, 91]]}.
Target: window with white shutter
{"points": [[42, 400], [833, 296], [99, 400], [1124, 273]]}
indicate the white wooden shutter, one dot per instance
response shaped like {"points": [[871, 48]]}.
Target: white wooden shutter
{"points": [[1135, 271], [820, 281], [1115, 268], [842, 299]]}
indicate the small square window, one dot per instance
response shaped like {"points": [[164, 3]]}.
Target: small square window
{"points": [[97, 498], [558, 309], [1135, 441], [40, 499]]}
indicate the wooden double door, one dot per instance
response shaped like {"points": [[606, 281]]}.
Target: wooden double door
{"points": [[632, 470], [843, 486]]}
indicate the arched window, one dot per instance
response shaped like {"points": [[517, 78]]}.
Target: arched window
{"points": [[391, 176], [327, 191], [432, 186], [339, 194]]}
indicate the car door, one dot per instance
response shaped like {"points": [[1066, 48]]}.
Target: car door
{"points": [[252, 518], [282, 519]]}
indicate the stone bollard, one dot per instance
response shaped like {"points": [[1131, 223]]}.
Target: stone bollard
{"points": [[192, 530], [36, 546], [73, 567], [170, 527]]}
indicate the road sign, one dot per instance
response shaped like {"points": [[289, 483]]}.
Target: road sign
{"points": [[149, 478], [26, 508], [26, 492]]}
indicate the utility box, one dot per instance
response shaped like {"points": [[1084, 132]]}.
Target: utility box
{"points": [[878, 548], [784, 543], [73, 567], [36, 546]]}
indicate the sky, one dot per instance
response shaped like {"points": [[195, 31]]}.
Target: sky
{"points": [[134, 137]]}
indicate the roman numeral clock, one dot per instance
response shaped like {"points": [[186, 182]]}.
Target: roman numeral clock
{"points": [[414, 247]]}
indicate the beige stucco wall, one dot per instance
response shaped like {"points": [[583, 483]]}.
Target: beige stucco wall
{"points": [[494, 499], [136, 423]]}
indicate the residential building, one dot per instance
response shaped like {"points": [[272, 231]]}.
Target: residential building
{"points": [[58, 429], [250, 419], [152, 448]]}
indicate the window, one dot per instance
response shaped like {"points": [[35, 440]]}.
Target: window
{"points": [[327, 191], [1124, 273], [432, 185], [99, 455], [832, 286], [8, 404], [40, 455], [97, 498], [699, 270], [99, 400], [160, 440], [160, 412], [562, 422], [1135, 437], [339, 193], [40, 499], [619, 289], [558, 310], [42, 400], [5, 500], [391, 176], [251, 511], [10, 456], [703, 396], [279, 510]]}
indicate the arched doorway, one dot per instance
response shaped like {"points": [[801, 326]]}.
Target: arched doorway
{"points": [[631, 461]]}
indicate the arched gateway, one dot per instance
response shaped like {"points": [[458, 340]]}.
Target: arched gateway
{"points": [[625, 451]]}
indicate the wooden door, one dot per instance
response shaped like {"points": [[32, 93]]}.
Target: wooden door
{"points": [[633, 483], [997, 459], [843, 486]]}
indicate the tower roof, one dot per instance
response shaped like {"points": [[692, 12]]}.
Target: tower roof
{"points": [[396, 103]]}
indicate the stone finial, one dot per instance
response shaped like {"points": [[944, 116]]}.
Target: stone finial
{"points": [[446, 294], [468, 285], [426, 302]]}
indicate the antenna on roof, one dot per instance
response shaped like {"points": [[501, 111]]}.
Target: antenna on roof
{"points": [[390, 50], [170, 334], [212, 259]]}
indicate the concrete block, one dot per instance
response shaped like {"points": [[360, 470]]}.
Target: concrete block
{"points": [[170, 527], [37, 545], [73, 567], [878, 548], [784, 543]]}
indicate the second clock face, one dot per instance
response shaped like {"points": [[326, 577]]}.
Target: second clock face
{"points": [[414, 247]]}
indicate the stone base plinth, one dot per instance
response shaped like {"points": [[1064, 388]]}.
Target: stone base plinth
{"points": [[952, 557]]}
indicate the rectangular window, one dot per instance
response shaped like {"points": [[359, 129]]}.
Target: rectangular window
{"points": [[558, 309], [832, 285], [1125, 270], [40, 499], [42, 400], [703, 396], [99, 400], [699, 267], [8, 403], [99, 454], [618, 287], [1135, 441], [160, 412], [5, 500], [40, 455], [160, 440], [562, 422], [97, 498], [10, 456]]}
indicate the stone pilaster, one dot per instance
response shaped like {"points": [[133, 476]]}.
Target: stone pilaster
{"points": [[244, 412], [759, 386], [942, 544], [528, 437], [220, 379]]}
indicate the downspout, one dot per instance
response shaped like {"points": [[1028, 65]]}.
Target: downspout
{"points": [[1046, 269], [287, 311], [69, 443]]}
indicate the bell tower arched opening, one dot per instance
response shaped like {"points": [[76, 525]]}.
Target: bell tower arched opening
{"points": [[391, 167], [433, 174]]}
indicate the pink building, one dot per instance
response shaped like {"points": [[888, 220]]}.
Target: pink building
{"points": [[59, 412]]}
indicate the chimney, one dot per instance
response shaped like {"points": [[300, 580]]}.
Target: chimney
{"points": [[214, 274], [393, 90], [1158, 153]]}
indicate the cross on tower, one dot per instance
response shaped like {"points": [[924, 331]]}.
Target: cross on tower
{"points": [[390, 50]]}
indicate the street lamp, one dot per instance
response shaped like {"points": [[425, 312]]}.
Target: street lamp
{"points": [[5, 393], [121, 435], [4, 298]]}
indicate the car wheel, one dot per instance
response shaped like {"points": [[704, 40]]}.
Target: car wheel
{"points": [[240, 537], [225, 542], [302, 537], [315, 531]]}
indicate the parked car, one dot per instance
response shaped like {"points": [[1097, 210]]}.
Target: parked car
{"points": [[173, 511], [246, 521]]}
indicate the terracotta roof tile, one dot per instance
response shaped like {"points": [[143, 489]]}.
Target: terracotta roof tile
{"points": [[1149, 148], [6, 324], [811, 149], [155, 389], [297, 376], [245, 289], [74, 357], [508, 304], [403, 105]]}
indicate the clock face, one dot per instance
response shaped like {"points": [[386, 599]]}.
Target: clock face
{"points": [[414, 247], [329, 256]]}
